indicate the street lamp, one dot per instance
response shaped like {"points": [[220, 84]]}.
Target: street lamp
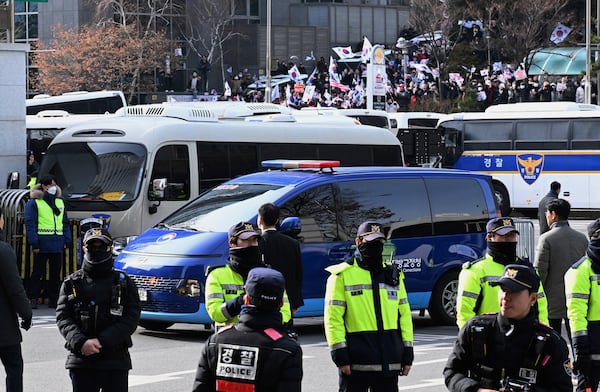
{"points": [[487, 39], [404, 46]]}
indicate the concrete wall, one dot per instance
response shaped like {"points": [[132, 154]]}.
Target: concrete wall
{"points": [[12, 112]]}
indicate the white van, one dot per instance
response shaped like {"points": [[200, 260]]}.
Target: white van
{"points": [[139, 166], [376, 118]]}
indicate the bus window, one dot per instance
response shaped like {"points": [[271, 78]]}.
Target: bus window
{"points": [[173, 163]]}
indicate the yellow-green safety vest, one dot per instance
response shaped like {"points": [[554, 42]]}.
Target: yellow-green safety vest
{"points": [[48, 223]]}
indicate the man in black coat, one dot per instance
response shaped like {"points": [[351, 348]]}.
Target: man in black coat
{"points": [[553, 194], [98, 311], [510, 348], [282, 253], [13, 302], [256, 354]]}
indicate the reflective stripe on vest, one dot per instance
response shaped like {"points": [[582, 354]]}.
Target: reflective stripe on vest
{"points": [[48, 223]]}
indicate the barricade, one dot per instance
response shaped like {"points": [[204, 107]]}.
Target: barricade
{"points": [[526, 244], [13, 203]]}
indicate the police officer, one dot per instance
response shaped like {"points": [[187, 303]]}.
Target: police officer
{"points": [[475, 293], [510, 350], [368, 324], [224, 294], [97, 312], [582, 289], [48, 233], [255, 354]]}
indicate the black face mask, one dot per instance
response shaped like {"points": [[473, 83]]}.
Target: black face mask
{"points": [[242, 260], [97, 264], [593, 253], [369, 255], [503, 252]]}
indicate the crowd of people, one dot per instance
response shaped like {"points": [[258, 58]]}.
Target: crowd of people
{"points": [[407, 92]]}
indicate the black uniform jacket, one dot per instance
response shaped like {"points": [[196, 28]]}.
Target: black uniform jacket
{"points": [[13, 299], [507, 348], [113, 331], [282, 253], [258, 335]]}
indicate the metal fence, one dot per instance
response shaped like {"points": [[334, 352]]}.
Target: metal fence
{"points": [[526, 244], [13, 203]]}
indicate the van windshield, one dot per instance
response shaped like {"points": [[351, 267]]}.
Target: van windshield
{"points": [[96, 171], [218, 208]]}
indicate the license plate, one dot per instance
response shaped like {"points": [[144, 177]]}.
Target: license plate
{"points": [[143, 294]]}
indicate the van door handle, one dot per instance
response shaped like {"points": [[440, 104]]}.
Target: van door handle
{"points": [[566, 194]]}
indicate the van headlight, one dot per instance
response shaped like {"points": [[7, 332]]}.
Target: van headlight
{"points": [[120, 243], [189, 288]]}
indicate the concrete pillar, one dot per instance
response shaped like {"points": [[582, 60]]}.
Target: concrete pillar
{"points": [[13, 138]]}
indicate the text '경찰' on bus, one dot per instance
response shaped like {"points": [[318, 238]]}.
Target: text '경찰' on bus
{"points": [[434, 220], [142, 164], [78, 102], [525, 147]]}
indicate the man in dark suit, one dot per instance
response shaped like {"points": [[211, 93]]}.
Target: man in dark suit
{"points": [[282, 253], [553, 194]]}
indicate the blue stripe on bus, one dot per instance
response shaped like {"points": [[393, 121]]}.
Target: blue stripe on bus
{"points": [[539, 162]]}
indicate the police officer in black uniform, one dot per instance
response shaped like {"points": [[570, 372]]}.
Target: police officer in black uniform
{"points": [[256, 354], [510, 350], [98, 311]]}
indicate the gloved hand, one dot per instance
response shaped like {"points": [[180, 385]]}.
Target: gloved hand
{"points": [[583, 364], [408, 355], [234, 305], [26, 323]]}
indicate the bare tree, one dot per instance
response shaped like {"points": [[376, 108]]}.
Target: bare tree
{"points": [[139, 31], [209, 27], [429, 17], [514, 28]]}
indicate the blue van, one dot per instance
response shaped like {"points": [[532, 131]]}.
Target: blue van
{"points": [[434, 221]]}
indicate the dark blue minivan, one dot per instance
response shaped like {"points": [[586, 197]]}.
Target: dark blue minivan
{"points": [[434, 221]]}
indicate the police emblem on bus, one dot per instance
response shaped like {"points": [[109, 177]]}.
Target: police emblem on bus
{"points": [[530, 166], [166, 237]]}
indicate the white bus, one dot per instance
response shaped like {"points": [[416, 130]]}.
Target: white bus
{"points": [[525, 149], [140, 165], [78, 102], [43, 127]]}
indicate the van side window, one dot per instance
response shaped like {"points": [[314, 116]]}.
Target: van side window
{"points": [[173, 163], [219, 162], [458, 205], [400, 205], [316, 210]]}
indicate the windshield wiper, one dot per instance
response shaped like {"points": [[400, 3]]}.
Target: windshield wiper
{"points": [[81, 196]]}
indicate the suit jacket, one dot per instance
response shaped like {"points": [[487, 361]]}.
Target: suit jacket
{"points": [[283, 254], [542, 210], [13, 299], [556, 251]]}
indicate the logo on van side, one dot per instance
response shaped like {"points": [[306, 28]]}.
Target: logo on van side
{"points": [[166, 237]]}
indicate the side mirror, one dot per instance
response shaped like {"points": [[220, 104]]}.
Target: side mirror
{"points": [[158, 189], [12, 182]]}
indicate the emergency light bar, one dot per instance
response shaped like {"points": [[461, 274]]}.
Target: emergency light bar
{"points": [[298, 164]]}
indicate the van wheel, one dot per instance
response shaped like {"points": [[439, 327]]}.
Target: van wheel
{"points": [[502, 199], [442, 306], [154, 325]]}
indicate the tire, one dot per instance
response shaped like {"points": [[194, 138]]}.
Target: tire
{"points": [[502, 199], [442, 305], [154, 325]]}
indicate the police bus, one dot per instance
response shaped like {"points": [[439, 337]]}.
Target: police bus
{"points": [[78, 102], [524, 147], [139, 166]]}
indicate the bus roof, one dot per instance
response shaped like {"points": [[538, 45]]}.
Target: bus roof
{"points": [[155, 129], [519, 115], [44, 99], [542, 107], [59, 119]]}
